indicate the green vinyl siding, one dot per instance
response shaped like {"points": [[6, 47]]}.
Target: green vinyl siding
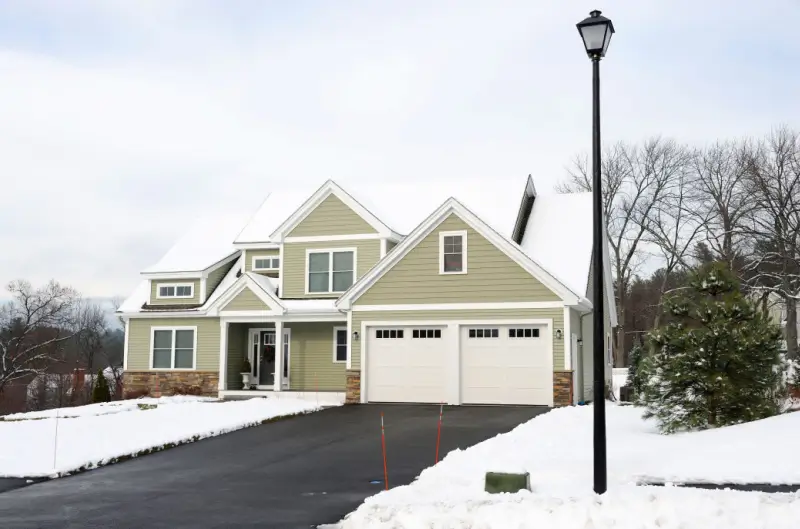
{"points": [[311, 351], [155, 300], [249, 254], [206, 355], [245, 300], [556, 314], [331, 217], [491, 275], [294, 263], [237, 346], [214, 278]]}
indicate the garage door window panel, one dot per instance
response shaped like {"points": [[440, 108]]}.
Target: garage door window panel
{"points": [[389, 334], [484, 333], [426, 333], [523, 333]]}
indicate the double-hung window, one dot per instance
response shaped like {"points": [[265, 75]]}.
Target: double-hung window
{"points": [[175, 290], [453, 252], [330, 270], [174, 348]]}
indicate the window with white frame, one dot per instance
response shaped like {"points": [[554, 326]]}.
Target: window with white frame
{"points": [[484, 333], [389, 334], [330, 270], [175, 290], [340, 344], [174, 348], [453, 252], [426, 333], [266, 263], [527, 332]]}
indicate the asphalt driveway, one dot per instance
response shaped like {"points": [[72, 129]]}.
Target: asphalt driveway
{"points": [[299, 472]]}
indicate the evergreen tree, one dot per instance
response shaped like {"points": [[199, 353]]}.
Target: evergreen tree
{"points": [[638, 370], [101, 392], [717, 361]]}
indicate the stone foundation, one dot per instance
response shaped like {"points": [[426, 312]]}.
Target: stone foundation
{"points": [[562, 388], [163, 383], [353, 390]]}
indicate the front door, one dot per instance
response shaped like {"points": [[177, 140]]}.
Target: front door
{"points": [[266, 358]]}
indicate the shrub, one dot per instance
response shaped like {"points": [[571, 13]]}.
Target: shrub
{"points": [[638, 371], [101, 392], [137, 393], [717, 362], [246, 367], [186, 389]]}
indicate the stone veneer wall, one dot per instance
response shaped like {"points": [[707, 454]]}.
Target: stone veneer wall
{"points": [[562, 388], [162, 383], [353, 386]]}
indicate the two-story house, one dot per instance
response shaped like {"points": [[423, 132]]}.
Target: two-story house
{"points": [[328, 298]]}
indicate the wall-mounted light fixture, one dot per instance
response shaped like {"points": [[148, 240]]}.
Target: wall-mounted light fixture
{"points": [[559, 334], [355, 336]]}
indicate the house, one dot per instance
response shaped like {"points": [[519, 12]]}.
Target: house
{"points": [[336, 296]]}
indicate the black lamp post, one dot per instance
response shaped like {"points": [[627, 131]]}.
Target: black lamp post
{"points": [[596, 33]]}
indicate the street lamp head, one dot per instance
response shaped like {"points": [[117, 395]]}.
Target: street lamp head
{"points": [[596, 33]]}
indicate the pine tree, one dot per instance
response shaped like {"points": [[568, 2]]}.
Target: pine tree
{"points": [[717, 362], [638, 370], [101, 392]]}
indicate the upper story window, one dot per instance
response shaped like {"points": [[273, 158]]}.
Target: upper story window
{"points": [[266, 264], [453, 252], [330, 271], [175, 290]]}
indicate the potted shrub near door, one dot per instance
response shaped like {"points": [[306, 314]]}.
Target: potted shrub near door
{"points": [[246, 375]]}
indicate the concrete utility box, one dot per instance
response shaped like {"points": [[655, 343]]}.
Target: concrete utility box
{"points": [[507, 482]]}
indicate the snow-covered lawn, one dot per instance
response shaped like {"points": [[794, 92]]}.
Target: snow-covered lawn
{"points": [[97, 434], [556, 449]]}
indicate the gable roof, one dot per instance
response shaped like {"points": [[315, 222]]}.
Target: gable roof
{"points": [[451, 205], [261, 286], [324, 191]]}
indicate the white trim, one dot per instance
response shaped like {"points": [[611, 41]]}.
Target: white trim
{"points": [[330, 252], [567, 337], [173, 275], [329, 188], [349, 340], [173, 328], [452, 386], [383, 247], [462, 306], [280, 271], [159, 286], [256, 257], [203, 288], [331, 238], [456, 233], [513, 251], [125, 345], [246, 281], [222, 383], [266, 245], [335, 343], [278, 375], [608, 282]]}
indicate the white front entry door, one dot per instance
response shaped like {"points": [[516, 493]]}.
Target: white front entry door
{"points": [[406, 364], [506, 364]]}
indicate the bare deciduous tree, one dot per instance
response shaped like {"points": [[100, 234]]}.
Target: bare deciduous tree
{"points": [[635, 179], [34, 327], [773, 178]]}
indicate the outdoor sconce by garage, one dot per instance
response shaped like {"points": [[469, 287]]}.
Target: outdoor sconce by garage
{"points": [[355, 336], [559, 334]]}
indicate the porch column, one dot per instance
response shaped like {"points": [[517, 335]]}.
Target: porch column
{"points": [[223, 354], [278, 356]]}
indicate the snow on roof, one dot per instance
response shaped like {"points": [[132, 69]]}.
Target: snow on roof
{"points": [[207, 241], [559, 237], [404, 205], [138, 297], [276, 208], [309, 305], [267, 283]]}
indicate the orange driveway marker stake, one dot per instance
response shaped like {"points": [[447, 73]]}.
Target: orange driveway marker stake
{"points": [[439, 432], [383, 446]]}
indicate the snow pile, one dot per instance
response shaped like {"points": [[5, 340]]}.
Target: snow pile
{"points": [[556, 449], [103, 433]]}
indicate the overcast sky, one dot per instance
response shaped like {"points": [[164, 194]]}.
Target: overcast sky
{"points": [[120, 120]]}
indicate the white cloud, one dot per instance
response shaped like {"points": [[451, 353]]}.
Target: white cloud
{"points": [[120, 120]]}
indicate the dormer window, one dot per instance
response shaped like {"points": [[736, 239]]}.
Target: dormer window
{"points": [[453, 252], [175, 290], [266, 264]]}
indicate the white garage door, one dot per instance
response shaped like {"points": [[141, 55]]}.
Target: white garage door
{"points": [[506, 364], [406, 364]]}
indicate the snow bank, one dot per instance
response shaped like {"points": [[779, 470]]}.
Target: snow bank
{"points": [[556, 449], [101, 433]]}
